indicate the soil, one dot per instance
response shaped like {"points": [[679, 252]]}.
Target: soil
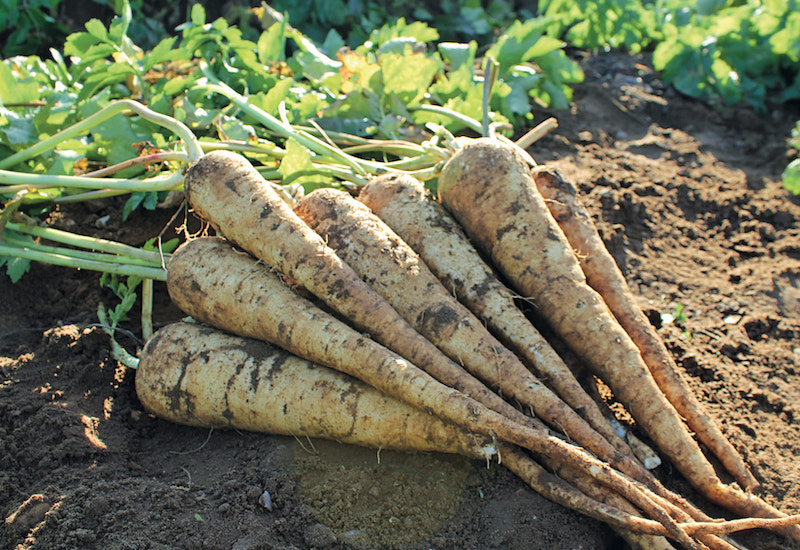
{"points": [[689, 201]]}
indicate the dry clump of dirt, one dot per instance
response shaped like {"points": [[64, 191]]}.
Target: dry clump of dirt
{"points": [[688, 200]]}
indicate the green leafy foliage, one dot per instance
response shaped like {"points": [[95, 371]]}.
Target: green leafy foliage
{"points": [[533, 63], [727, 52], [373, 89], [624, 24], [125, 291], [24, 26], [791, 175], [719, 51]]}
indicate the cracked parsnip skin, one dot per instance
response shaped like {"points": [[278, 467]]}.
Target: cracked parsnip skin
{"points": [[200, 376], [488, 188], [603, 274]]}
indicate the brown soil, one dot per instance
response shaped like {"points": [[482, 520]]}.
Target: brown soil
{"points": [[688, 200]]}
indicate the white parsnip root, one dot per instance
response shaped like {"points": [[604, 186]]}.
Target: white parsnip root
{"points": [[409, 354], [489, 189]]}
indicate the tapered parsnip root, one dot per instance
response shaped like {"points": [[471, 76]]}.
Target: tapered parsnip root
{"points": [[224, 189], [404, 204], [592, 501], [392, 268], [603, 275], [489, 189], [635, 539], [200, 376], [212, 282]]}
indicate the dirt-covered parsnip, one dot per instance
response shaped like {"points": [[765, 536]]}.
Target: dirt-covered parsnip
{"points": [[604, 276], [392, 268], [200, 376], [220, 286], [406, 206], [224, 189], [489, 189]]}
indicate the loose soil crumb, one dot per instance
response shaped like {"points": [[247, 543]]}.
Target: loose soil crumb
{"points": [[688, 200]]}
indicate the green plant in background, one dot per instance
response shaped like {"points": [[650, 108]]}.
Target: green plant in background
{"points": [[791, 175], [599, 25], [355, 20], [724, 52], [23, 28]]}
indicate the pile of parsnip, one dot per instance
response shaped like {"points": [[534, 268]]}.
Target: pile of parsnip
{"points": [[385, 320]]}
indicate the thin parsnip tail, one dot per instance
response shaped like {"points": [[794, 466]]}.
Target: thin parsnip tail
{"points": [[489, 189], [604, 276]]}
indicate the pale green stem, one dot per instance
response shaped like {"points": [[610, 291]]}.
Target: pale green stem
{"points": [[87, 196], [98, 257], [155, 158], [267, 148], [397, 148], [427, 173], [489, 78], [89, 243], [415, 163], [178, 128], [147, 309], [467, 121], [338, 137], [157, 274], [332, 170], [20, 181]]}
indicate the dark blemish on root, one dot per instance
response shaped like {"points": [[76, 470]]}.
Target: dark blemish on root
{"points": [[515, 208], [194, 286], [482, 288], [338, 236], [278, 362], [443, 222], [255, 377], [263, 352], [438, 320], [339, 289], [181, 401], [501, 231]]}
